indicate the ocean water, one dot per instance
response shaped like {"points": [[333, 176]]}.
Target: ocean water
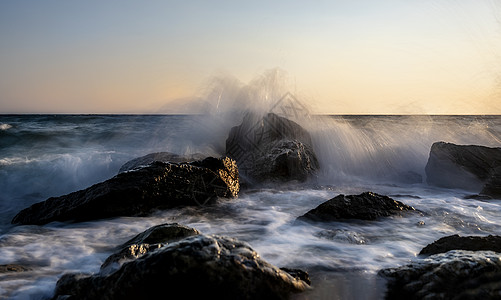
{"points": [[50, 155]]}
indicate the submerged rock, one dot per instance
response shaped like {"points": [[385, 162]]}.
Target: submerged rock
{"points": [[169, 157], [14, 268], [196, 267], [149, 240], [456, 274], [139, 192], [467, 167], [342, 235], [366, 206], [271, 148], [456, 242]]}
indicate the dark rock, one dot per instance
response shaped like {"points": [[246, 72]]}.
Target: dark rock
{"points": [[453, 275], [13, 268], [492, 187], [144, 161], [271, 148], [456, 242], [162, 233], [298, 274], [197, 267], [366, 206], [151, 239], [139, 192], [467, 167]]}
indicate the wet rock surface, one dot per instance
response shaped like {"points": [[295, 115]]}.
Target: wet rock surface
{"points": [[457, 274], [139, 192], [456, 242], [271, 148], [196, 267], [366, 206], [298, 274], [468, 167], [167, 157], [149, 240]]}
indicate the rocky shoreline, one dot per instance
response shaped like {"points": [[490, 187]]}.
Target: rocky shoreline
{"points": [[187, 263], [260, 151]]}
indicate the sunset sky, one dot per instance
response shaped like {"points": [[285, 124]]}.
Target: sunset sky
{"points": [[342, 57]]}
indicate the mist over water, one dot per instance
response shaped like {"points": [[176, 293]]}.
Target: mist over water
{"points": [[44, 155], [349, 147], [392, 148]]}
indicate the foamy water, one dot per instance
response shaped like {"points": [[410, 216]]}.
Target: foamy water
{"points": [[44, 156]]}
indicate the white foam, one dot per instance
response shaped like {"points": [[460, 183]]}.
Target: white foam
{"points": [[5, 126], [265, 220], [15, 160]]}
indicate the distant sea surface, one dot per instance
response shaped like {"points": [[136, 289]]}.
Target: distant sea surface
{"points": [[42, 156]]}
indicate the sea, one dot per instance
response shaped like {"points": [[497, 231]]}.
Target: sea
{"points": [[42, 156]]}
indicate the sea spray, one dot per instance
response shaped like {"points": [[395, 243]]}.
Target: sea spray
{"points": [[227, 101], [382, 149], [390, 148]]}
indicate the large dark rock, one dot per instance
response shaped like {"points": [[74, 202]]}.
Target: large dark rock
{"points": [[146, 160], [149, 240], [139, 192], [467, 167], [271, 148], [366, 206], [456, 242], [456, 274], [197, 267]]}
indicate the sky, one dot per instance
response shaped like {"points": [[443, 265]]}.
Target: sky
{"points": [[342, 57]]}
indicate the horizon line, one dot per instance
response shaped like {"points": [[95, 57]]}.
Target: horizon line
{"points": [[196, 114]]}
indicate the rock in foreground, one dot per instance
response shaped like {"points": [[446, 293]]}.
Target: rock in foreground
{"points": [[366, 206], [197, 267], [271, 148], [467, 167], [452, 275], [149, 240], [456, 242], [139, 192]]}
